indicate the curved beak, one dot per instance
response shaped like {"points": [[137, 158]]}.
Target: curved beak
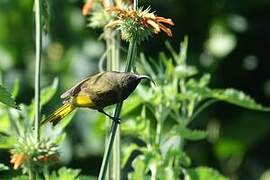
{"points": [[147, 78]]}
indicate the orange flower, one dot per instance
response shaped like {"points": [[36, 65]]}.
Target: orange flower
{"points": [[143, 17], [17, 160], [45, 159], [87, 7], [106, 3]]}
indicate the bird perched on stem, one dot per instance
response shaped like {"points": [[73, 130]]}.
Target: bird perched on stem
{"points": [[97, 92]]}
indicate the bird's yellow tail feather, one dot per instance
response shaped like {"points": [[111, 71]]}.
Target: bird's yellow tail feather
{"points": [[59, 114]]}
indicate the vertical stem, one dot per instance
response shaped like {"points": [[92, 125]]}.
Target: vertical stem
{"points": [[38, 66], [114, 169], [109, 60], [130, 59], [135, 4], [46, 173], [31, 171]]}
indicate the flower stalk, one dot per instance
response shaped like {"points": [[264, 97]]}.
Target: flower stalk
{"points": [[114, 129], [38, 66], [114, 169]]}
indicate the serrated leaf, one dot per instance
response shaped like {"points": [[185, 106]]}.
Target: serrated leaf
{"points": [[204, 173], [6, 98], [192, 134], [239, 98], [68, 174], [229, 95], [127, 152], [3, 167]]}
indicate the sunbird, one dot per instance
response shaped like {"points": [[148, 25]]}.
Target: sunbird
{"points": [[97, 92]]}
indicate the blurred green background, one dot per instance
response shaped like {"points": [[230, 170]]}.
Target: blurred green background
{"points": [[229, 39]]}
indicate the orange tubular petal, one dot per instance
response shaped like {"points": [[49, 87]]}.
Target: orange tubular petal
{"points": [[150, 16], [113, 24], [17, 160], [118, 3], [166, 30], [154, 25], [164, 20], [87, 7], [13, 158], [106, 3], [114, 9]]}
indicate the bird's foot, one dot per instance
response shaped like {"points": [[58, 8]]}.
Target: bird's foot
{"points": [[114, 119]]}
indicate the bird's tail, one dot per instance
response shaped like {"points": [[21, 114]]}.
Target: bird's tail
{"points": [[59, 114]]}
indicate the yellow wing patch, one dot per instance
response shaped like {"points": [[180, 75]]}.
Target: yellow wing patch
{"points": [[83, 101]]}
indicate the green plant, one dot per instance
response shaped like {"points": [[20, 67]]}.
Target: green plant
{"points": [[166, 111]]}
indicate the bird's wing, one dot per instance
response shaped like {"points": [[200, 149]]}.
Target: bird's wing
{"points": [[74, 90], [103, 90]]}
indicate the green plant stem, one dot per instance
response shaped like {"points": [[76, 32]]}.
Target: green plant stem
{"points": [[115, 170], [31, 172], [184, 104], [46, 173], [130, 59], [135, 4], [201, 108], [112, 54], [38, 66]]}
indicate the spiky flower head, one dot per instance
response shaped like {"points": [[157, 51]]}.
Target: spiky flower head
{"points": [[138, 23], [29, 150]]}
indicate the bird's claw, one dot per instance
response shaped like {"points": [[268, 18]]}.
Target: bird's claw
{"points": [[116, 120]]}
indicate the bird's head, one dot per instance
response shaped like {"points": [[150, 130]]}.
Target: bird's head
{"points": [[130, 81]]}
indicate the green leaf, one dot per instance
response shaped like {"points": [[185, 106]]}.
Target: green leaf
{"points": [[68, 174], [15, 89], [184, 71], [127, 152], [48, 92], [204, 80], [229, 95], [5, 98], [6, 141], [46, 95], [60, 138], [3, 167], [172, 51], [204, 173], [131, 104], [22, 177], [166, 173], [238, 98], [191, 134], [174, 154], [139, 170]]}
